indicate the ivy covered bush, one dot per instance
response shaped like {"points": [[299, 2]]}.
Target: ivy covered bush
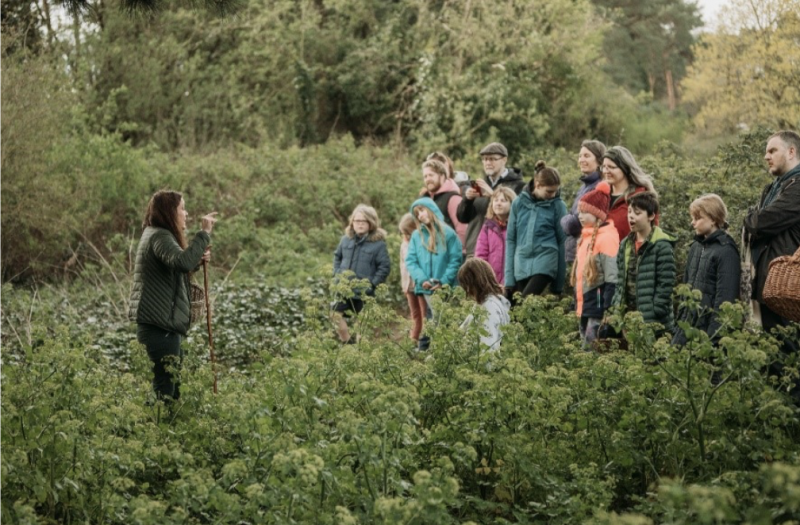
{"points": [[317, 432]]}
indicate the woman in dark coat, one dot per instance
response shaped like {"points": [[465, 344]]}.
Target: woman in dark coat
{"points": [[160, 304], [590, 157], [713, 267]]}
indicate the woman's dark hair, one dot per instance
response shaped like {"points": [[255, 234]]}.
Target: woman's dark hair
{"points": [[477, 279], [544, 175], [625, 161], [162, 212]]}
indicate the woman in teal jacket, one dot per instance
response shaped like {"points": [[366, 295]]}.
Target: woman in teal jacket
{"points": [[535, 241], [434, 253]]}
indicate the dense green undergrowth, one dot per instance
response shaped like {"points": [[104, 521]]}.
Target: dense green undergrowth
{"points": [[314, 432]]}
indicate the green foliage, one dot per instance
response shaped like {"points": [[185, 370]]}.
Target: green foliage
{"points": [[746, 72], [417, 74], [318, 432], [649, 44]]}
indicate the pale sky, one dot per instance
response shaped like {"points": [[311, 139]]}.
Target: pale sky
{"points": [[709, 9]]}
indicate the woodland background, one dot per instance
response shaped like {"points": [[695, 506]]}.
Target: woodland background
{"points": [[283, 115]]}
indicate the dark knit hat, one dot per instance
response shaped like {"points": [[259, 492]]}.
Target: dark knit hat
{"points": [[495, 148], [597, 201]]}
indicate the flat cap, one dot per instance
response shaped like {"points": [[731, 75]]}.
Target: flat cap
{"points": [[495, 148]]}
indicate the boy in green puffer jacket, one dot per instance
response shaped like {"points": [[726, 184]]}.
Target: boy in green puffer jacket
{"points": [[646, 265]]}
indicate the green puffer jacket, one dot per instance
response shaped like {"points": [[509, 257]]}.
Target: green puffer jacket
{"points": [[160, 291], [655, 278]]}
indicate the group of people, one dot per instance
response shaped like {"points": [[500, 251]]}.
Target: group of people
{"points": [[502, 239]]}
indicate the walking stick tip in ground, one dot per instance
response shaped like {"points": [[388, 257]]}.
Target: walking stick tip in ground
{"points": [[208, 324]]}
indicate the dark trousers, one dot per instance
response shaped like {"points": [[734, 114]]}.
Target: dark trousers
{"points": [[534, 285], [789, 344], [164, 350]]}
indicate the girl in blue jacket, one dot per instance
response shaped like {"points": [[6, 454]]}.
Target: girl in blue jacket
{"points": [[535, 256], [434, 253]]}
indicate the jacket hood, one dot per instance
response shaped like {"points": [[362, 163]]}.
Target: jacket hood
{"points": [[449, 185], [492, 224], [720, 237], [376, 235], [590, 178], [428, 203], [514, 174], [528, 200], [658, 235], [794, 172], [586, 231]]}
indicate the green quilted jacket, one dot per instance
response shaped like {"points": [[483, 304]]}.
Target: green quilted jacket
{"points": [[160, 292], [655, 278]]}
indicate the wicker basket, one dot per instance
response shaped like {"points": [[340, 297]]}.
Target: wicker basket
{"points": [[782, 289], [197, 297]]}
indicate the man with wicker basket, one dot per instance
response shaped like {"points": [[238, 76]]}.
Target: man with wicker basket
{"points": [[774, 230]]}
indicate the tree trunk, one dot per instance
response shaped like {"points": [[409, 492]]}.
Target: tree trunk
{"points": [[651, 80], [48, 23], [670, 90]]}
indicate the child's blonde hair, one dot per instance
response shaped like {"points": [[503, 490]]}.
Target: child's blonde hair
{"points": [[501, 190], [407, 224], [477, 279], [712, 206], [369, 214], [435, 228]]}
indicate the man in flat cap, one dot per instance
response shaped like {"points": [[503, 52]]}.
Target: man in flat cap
{"points": [[472, 209]]}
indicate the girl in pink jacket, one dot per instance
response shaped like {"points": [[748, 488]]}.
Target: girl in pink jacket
{"points": [[491, 243]]}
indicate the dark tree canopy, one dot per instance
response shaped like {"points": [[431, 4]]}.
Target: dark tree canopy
{"points": [[648, 46], [220, 7]]}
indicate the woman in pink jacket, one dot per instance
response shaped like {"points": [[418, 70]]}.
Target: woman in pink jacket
{"points": [[491, 243]]}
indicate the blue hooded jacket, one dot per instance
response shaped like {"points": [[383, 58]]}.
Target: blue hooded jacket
{"points": [[535, 240], [424, 265]]}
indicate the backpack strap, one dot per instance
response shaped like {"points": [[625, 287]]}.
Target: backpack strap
{"points": [[442, 200]]}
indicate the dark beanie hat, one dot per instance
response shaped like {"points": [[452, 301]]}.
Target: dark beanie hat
{"points": [[597, 201], [495, 148]]}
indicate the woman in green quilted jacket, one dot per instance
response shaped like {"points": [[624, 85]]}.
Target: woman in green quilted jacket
{"points": [[160, 303]]}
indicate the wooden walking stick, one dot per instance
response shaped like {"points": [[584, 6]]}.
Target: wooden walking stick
{"points": [[208, 324]]}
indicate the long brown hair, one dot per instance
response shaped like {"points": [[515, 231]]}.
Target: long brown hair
{"points": [[436, 231], [477, 279], [162, 212]]}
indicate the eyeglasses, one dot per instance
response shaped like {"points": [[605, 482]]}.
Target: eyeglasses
{"points": [[491, 159]]}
